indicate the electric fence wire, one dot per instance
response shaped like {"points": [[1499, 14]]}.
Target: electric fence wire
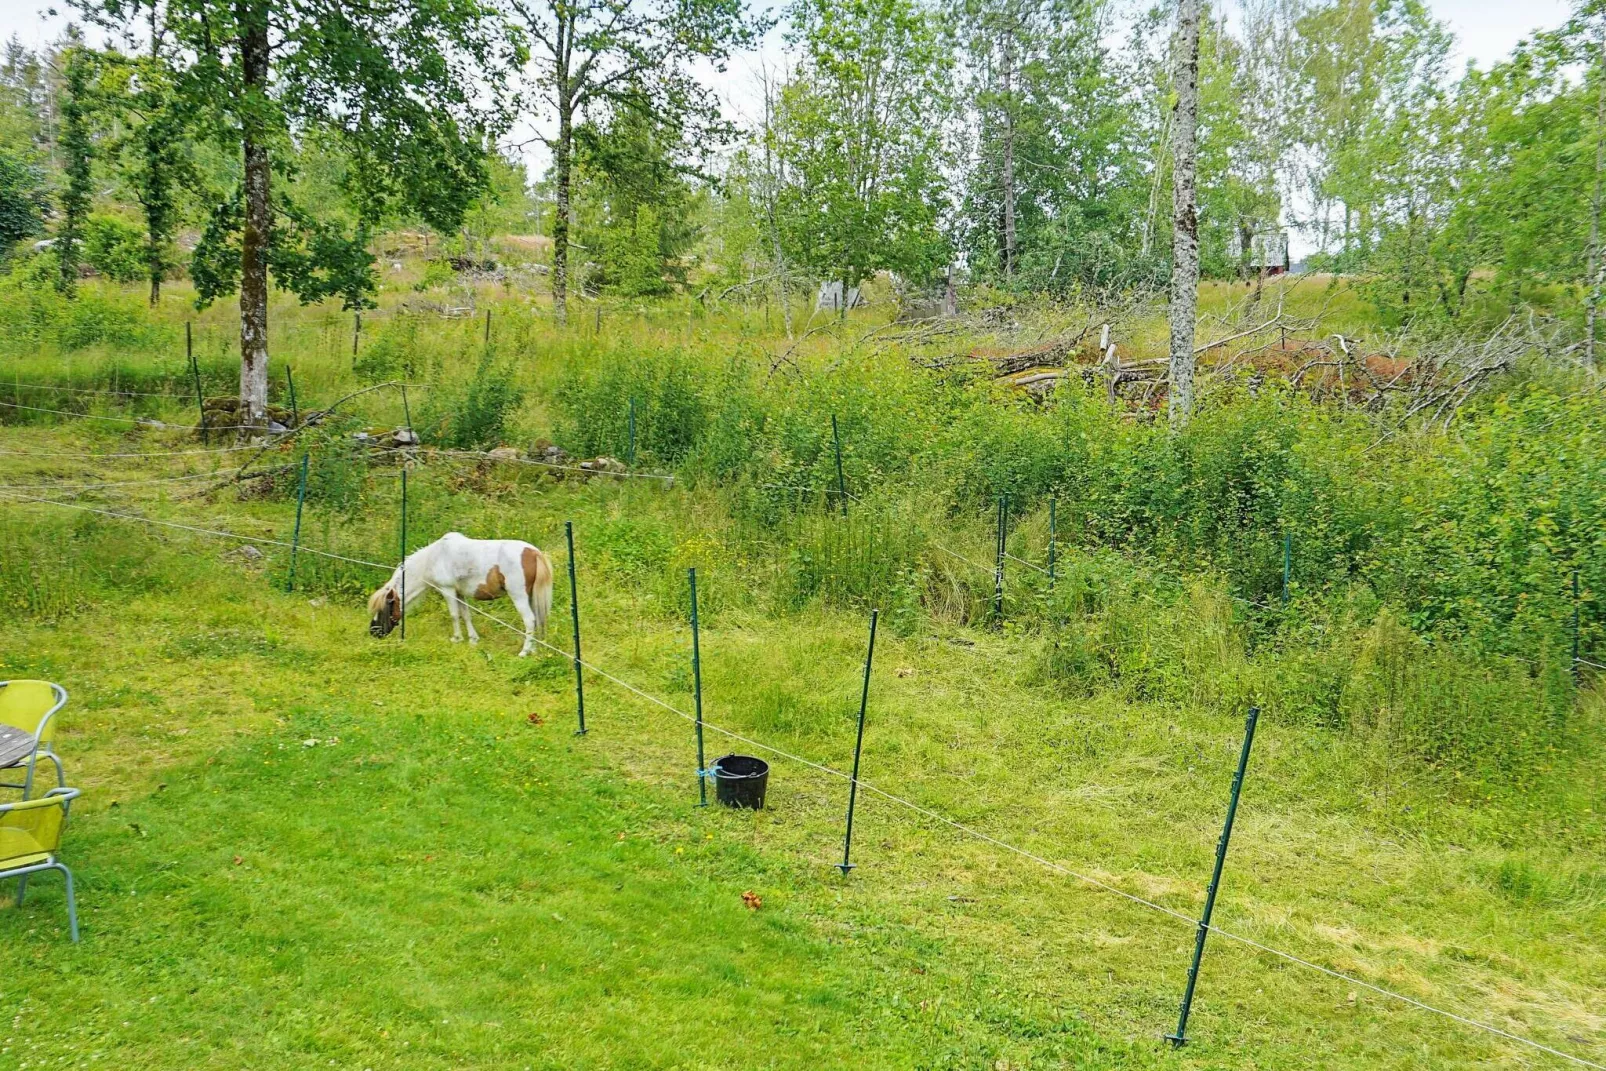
{"points": [[98, 484], [12, 497], [1050, 864], [806, 489], [1045, 572], [961, 557], [134, 453], [900, 801], [485, 455], [183, 396], [146, 421], [1029, 565], [86, 390]]}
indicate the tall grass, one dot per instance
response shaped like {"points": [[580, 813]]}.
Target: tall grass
{"points": [[1429, 583]]}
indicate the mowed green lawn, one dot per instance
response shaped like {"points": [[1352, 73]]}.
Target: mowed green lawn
{"points": [[300, 847]]}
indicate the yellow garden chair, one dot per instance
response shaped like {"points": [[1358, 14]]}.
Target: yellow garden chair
{"points": [[27, 725], [30, 836]]}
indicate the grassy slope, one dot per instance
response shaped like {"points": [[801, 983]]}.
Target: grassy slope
{"points": [[436, 882], [338, 937], [399, 892]]}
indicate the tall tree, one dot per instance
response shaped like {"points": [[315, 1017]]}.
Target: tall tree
{"points": [[633, 52], [1053, 183], [152, 146], [633, 200], [396, 82], [154, 149], [77, 106], [1185, 212], [1596, 274], [1364, 73], [862, 125], [23, 199]]}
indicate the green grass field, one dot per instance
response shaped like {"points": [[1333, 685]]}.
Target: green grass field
{"points": [[300, 847]]}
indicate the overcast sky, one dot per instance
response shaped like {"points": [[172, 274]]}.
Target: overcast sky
{"points": [[1485, 29]]}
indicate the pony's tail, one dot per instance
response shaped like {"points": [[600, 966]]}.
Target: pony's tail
{"points": [[538, 586]]}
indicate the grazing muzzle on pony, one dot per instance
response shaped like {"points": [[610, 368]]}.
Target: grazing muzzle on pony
{"points": [[386, 610]]}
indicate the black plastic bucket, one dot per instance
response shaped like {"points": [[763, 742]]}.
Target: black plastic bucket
{"points": [[740, 781]]}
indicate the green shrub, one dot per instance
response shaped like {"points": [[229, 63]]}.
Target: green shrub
{"points": [[474, 415], [670, 393], [436, 273], [33, 313], [115, 248], [399, 350]]}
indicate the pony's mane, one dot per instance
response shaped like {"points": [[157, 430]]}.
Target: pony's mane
{"points": [[414, 559]]}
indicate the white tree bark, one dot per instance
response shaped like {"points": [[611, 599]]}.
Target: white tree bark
{"points": [[254, 60], [1185, 213], [772, 183], [1008, 84], [1597, 265]]}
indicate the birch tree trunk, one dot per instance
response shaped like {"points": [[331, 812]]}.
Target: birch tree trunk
{"points": [[253, 17], [1597, 267], [772, 183], [562, 165], [1185, 213], [1007, 78]]}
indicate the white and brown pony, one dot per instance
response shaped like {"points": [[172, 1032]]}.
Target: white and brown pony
{"points": [[461, 568]]}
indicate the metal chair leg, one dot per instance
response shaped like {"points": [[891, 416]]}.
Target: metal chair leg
{"points": [[22, 887], [72, 903], [61, 774]]}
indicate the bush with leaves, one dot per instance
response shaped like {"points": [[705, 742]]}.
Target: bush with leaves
{"points": [[23, 199], [473, 416], [115, 248]]}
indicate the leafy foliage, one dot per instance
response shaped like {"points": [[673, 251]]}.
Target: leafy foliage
{"points": [[115, 248], [76, 108], [22, 199], [859, 131], [474, 415]]}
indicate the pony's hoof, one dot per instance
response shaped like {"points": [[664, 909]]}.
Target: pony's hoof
{"points": [[457, 639]]}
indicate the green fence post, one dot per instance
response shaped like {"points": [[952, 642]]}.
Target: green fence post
{"points": [[998, 568], [858, 746], [356, 331], [407, 410], [1052, 557], [841, 484], [295, 540], [487, 328], [632, 455], [1180, 1038], [404, 551], [290, 383], [574, 614], [697, 691], [1288, 562], [1575, 628], [195, 373]]}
